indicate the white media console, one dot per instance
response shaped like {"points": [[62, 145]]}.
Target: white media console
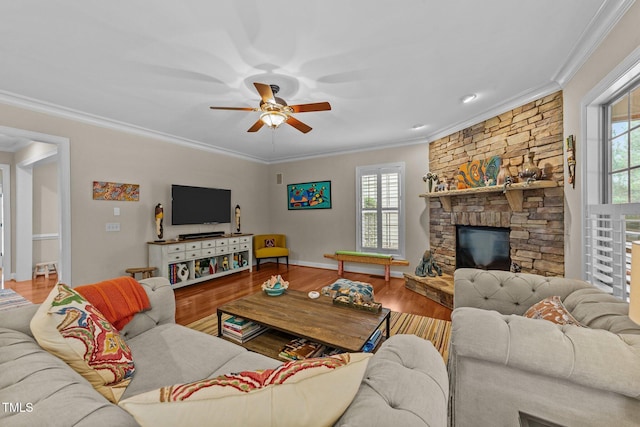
{"points": [[186, 262]]}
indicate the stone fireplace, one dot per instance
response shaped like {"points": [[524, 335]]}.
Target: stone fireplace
{"points": [[536, 221]]}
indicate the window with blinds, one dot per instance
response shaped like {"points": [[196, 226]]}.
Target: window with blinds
{"points": [[610, 230], [380, 224], [613, 223]]}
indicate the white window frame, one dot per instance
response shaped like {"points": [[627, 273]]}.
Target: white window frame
{"points": [[604, 225], [378, 169]]}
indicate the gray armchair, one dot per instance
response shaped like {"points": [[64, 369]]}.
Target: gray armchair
{"points": [[504, 367]]}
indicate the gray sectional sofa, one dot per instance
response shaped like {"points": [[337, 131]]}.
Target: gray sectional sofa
{"points": [[506, 369], [405, 382]]}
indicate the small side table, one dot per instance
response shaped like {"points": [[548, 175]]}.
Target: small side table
{"points": [[145, 271]]}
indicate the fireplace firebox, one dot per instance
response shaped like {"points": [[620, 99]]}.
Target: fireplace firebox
{"points": [[485, 248]]}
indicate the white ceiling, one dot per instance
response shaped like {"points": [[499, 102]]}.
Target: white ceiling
{"points": [[155, 67]]}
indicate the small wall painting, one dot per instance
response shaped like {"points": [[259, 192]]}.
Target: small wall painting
{"points": [[312, 195], [103, 190]]}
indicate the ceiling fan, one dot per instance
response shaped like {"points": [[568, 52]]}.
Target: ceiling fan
{"points": [[275, 111]]}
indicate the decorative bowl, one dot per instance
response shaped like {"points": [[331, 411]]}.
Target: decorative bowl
{"points": [[275, 286]]}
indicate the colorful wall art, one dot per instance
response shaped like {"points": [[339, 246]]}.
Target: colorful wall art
{"points": [[103, 190], [479, 173], [312, 195]]}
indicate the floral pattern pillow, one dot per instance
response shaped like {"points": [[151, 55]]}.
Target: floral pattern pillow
{"points": [[69, 327], [551, 309]]}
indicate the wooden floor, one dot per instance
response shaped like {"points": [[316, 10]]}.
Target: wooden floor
{"points": [[197, 301]]}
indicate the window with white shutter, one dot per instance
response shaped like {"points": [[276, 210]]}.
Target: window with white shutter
{"points": [[380, 208], [612, 218]]}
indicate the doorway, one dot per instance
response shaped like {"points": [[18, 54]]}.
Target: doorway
{"points": [[24, 197]]}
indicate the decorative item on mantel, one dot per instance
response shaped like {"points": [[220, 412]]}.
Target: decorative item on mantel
{"points": [[503, 173], [432, 180], [530, 171], [275, 286], [478, 173], [571, 160]]}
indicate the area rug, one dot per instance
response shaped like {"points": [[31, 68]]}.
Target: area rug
{"points": [[11, 299], [435, 330]]}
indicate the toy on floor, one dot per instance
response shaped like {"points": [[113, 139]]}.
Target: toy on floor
{"points": [[428, 265]]}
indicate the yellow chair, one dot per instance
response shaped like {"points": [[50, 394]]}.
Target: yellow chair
{"points": [[270, 246]]}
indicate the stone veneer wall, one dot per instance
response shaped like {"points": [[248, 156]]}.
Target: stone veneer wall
{"points": [[537, 233]]}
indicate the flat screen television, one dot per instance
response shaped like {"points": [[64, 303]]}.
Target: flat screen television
{"points": [[200, 205], [486, 248]]}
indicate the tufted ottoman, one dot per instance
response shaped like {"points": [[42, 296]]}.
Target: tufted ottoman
{"points": [[504, 367]]}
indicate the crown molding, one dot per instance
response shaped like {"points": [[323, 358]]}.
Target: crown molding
{"points": [[517, 101], [31, 104], [602, 23]]}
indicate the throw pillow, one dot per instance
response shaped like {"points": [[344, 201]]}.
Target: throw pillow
{"points": [[269, 243], [299, 393], [70, 328], [551, 309]]}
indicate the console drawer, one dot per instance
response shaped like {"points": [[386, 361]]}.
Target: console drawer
{"points": [[208, 252], [234, 248], [222, 242], [176, 256], [222, 250], [208, 244], [172, 249], [193, 254], [234, 241], [245, 246], [193, 245], [245, 239]]}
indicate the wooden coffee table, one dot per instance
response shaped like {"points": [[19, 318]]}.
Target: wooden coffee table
{"points": [[294, 313]]}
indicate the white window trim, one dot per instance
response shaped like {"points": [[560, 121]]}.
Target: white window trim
{"points": [[400, 254], [593, 123]]}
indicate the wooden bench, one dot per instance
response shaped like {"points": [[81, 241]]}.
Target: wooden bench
{"points": [[365, 258], [44, 268]]}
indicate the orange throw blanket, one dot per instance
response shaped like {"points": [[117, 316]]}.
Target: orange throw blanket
{"points": [[117, 299]]}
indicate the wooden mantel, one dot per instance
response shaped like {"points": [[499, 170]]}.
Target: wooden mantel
{"points": [[513, 193]]}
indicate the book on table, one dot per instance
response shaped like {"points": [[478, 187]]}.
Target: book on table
{"points": [[301, 348], [241, 330]]}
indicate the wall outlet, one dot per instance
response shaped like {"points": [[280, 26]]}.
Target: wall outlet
{"points": [[112, 226]]}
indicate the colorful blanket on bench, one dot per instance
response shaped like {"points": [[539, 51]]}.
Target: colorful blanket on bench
{"points": [[365, 254]]}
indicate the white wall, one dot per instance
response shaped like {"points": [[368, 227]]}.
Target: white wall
{"points": [[312, 233], [101, 154], [621, 41], [46, 246]]}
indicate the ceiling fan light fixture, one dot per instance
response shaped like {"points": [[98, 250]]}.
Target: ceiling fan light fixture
{"points": [[273, 119]]}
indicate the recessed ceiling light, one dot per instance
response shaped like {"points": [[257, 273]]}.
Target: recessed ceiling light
{"points": [[418, 126], [468, 98]]}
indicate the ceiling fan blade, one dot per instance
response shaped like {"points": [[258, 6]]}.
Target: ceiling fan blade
{"points": [[256, 126], [265, 93], [298, 124], [317, 106], [233, 108]]}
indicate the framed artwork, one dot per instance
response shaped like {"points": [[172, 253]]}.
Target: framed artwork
{"points": [[103, 190], [309, 195]]}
